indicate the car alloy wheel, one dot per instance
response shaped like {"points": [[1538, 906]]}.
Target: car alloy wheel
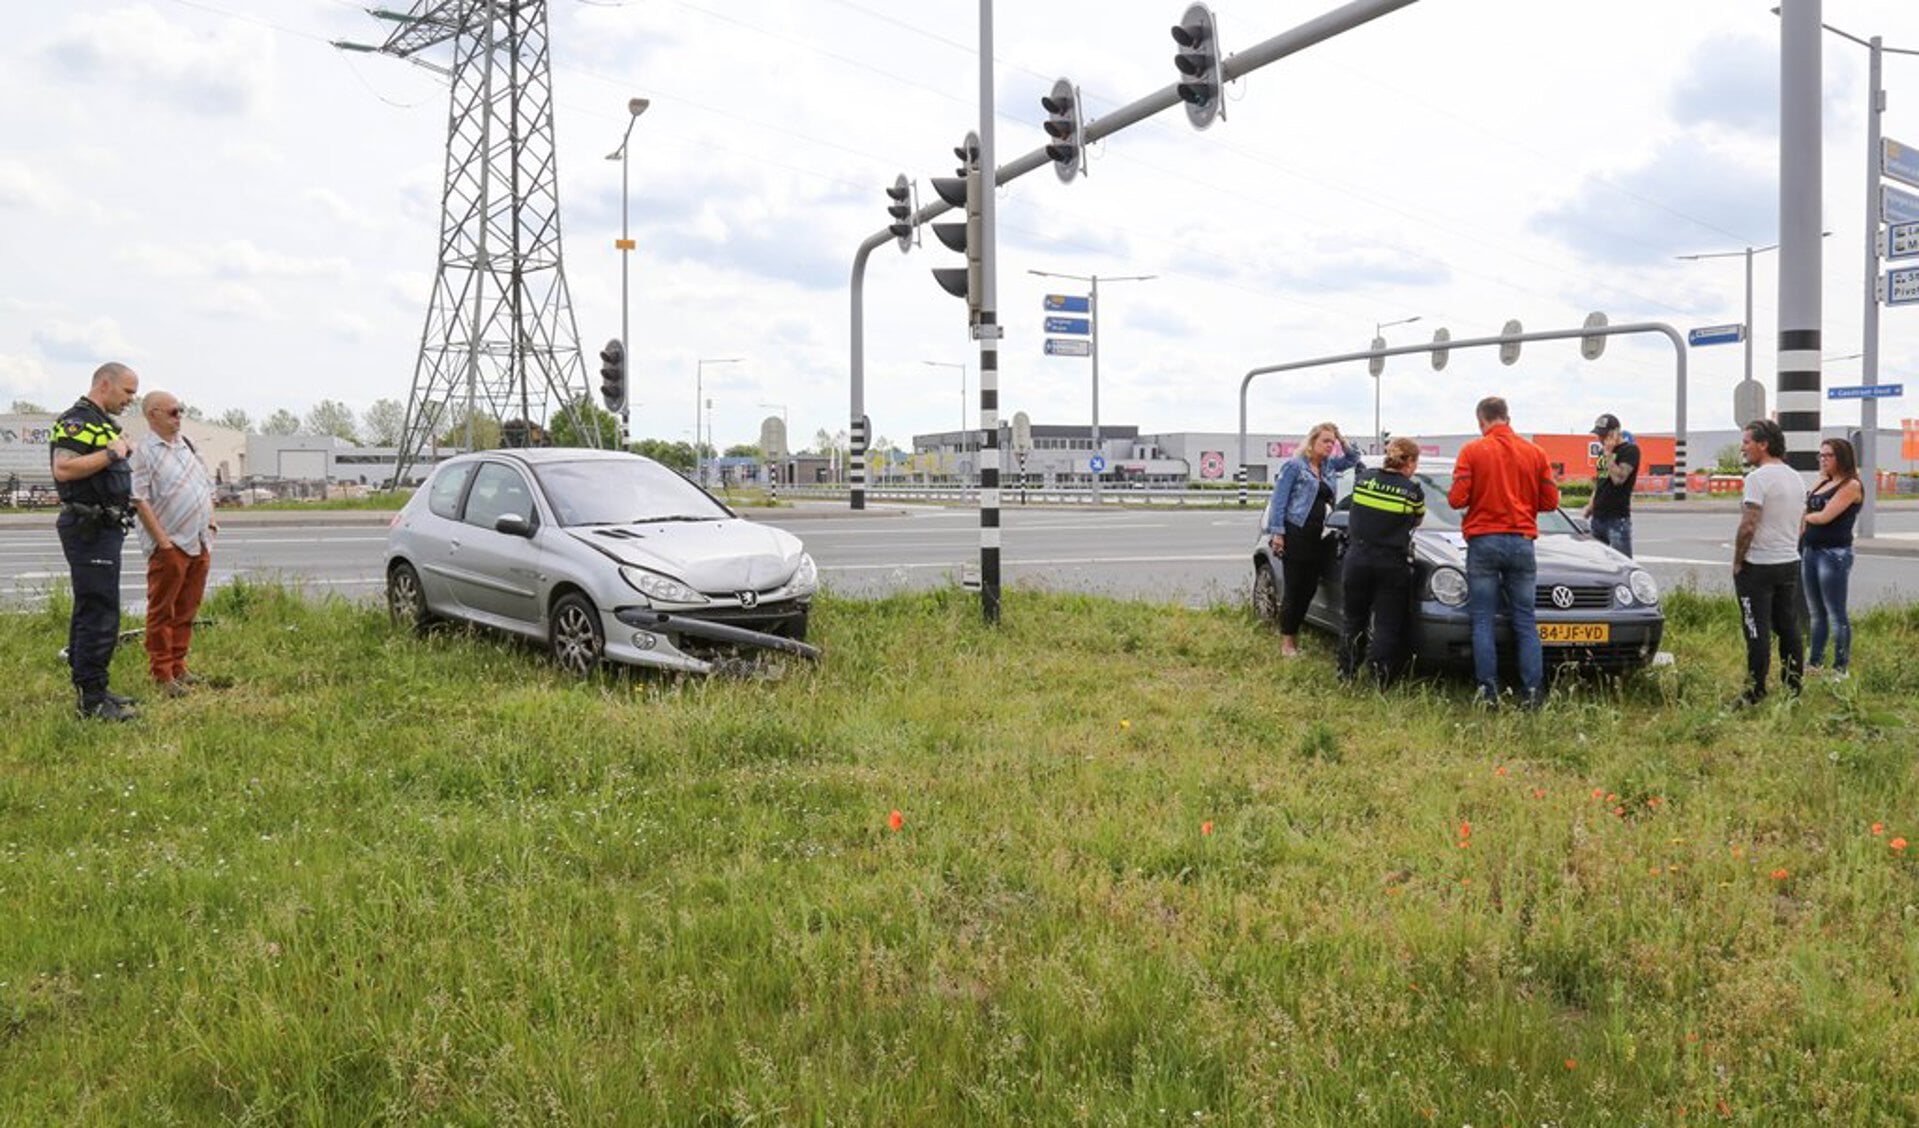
{"points": [[578, 643], [1266, 596], [405, 599]]}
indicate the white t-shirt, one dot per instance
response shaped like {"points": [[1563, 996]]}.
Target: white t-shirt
{"points": [[1777, 489]]}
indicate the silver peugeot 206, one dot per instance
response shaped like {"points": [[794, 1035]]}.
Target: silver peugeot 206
{"points": [[602, 555]]}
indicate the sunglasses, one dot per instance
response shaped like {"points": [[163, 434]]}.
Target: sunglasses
{"points": [[175, 412]]}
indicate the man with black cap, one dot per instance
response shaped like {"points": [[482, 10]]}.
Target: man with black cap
{"points": [[1614, 474]]}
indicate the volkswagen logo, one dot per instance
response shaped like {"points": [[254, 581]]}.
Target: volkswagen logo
{"points": [[752, 599], [1562, 596]]}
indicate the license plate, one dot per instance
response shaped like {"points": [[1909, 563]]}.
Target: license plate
{"points": [[1574, 634]]}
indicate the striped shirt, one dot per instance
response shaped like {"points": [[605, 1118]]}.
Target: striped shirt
{"points": [[171, 479]]}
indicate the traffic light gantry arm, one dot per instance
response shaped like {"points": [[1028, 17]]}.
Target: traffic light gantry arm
{"points": [[1339, 20]]}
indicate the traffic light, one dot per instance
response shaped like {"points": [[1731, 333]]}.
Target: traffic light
{"points": [[1198, 62], [900, 209], [965, 190], [613, 375], [1067, 146]]}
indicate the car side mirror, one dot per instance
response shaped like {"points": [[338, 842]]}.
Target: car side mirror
{"points": [[513, 525], [1583, 526], [1339, 519]]}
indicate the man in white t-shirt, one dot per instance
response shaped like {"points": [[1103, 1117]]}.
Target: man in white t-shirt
{"points": [[1765, 560]]}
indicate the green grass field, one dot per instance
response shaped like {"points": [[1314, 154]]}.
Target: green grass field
{"points": [[1145, 872]]}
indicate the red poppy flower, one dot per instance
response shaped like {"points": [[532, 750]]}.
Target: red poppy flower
{"points": [[895, 821]]}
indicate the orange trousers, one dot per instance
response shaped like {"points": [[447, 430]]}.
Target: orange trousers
{"points": [[175, 583]]}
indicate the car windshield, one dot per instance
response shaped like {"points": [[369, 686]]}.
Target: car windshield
{"points": [[1440, 515], [623, 491]]}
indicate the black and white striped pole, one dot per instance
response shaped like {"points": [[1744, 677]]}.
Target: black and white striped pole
{"points": [[988, 330], [1800, 204]]}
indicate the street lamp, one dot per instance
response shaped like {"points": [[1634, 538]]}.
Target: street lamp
{"points": [[1378, 370], [1746, 329], [962, 371], [634, 108], [699, 396], [1092, 315]]}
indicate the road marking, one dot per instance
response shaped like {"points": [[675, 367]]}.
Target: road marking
{"points": [[1679, 560], [1072, 562]]}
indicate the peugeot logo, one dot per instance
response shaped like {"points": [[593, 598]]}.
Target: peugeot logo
{"points": [[752, 599], [1562, 596]]}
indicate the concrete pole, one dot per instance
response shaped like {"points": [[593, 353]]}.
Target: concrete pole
{"points": [[1099, 451], [1800, 204], [1869, 408]]}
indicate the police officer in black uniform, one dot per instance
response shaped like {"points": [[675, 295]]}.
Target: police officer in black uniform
{"points": [[90, 471], [1387, 505]]}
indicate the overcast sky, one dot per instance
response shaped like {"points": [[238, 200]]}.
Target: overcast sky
{"points": [[212, 193]]}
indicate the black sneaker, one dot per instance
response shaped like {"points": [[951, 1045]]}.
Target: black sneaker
{"points": [[119, 699], [106, 709]]}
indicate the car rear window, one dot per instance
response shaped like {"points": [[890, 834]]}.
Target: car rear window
{"points": [[443, 496]]}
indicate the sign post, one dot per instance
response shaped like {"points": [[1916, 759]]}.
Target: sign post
{"points": [[1716, 335]]}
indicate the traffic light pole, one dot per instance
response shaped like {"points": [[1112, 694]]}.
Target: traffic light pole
{"points": [[1342, 19], [988, 331]]}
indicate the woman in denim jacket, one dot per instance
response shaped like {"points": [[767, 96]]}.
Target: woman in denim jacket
{"points": [[1825, 552], [1296, 518]]}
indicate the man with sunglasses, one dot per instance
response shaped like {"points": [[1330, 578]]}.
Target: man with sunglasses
{"points": [[173, 497]]}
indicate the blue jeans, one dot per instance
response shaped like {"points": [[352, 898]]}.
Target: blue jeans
{"points": [[1500, 567], [1614, 531], [1823, 573]]}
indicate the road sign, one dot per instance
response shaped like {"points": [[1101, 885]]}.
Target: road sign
{"points": [[1902, 240], [1068, 303], [1716, 335], [1096, 464], [1902, 286], [1068, 346], [1899, 161], [1080, 325], [1896, 205], [1866, 391], [1594, 346], [1748, 402]]}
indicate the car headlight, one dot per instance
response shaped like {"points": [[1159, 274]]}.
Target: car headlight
{"points": [[660, 589], [1448, 586], [806, 577], [1644, 588]]}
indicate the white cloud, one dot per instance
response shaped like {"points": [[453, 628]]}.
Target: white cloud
{"points": [[25, 378], [94, 341], [223, 72], [234, 299]]}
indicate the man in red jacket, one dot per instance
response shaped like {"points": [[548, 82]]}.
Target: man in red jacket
{"points": [[1503, 483]]}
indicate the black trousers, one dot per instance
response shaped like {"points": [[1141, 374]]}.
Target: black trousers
{"points": [[1769, 604], [1302, 571], [1378, 584], [94, 563]]}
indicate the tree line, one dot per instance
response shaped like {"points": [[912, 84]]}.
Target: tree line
{"points": [[382, 423]]}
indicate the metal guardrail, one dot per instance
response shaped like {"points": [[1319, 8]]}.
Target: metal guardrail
{"points": [[1013, 495]]}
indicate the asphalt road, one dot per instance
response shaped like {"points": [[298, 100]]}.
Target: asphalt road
{"points": [[1191, 557]]}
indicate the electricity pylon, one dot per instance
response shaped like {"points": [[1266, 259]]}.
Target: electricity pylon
{"points": [[500, 343]]}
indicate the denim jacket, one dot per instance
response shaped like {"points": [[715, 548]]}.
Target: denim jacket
{"points": [[1293, 493]]}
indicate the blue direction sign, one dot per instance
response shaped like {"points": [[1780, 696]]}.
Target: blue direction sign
{"points": [[1902, 286], [1896, 205], [1902, 240], [1899, 161], [1716, 335], [1096, 464], [1068, 303], [1080, 325], [1068, 346], [1866, 391]]}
